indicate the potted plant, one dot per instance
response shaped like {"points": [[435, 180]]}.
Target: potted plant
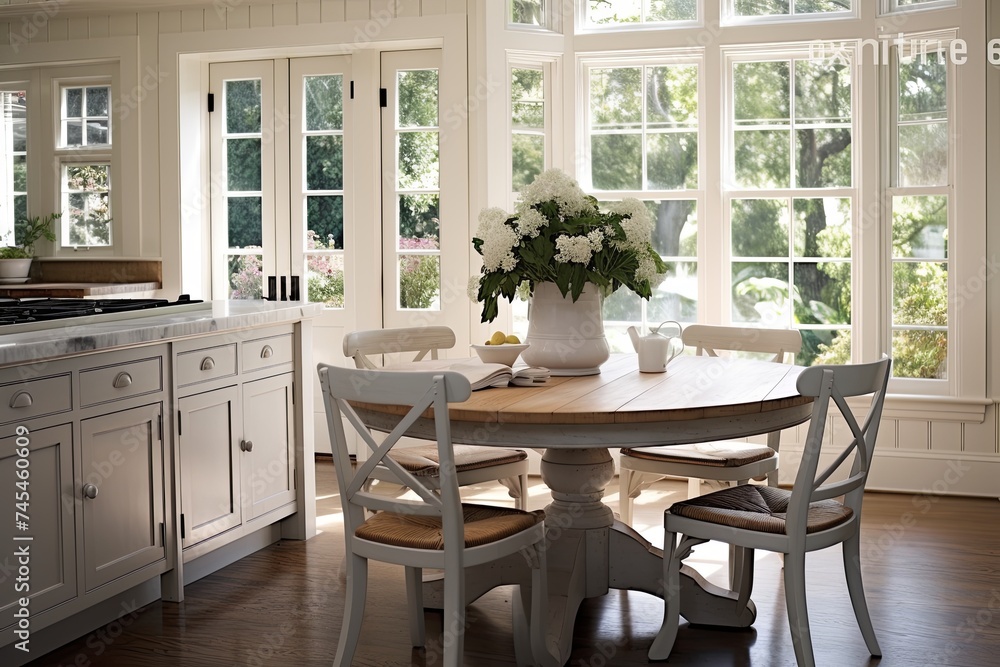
{"points": [[15, 260]]}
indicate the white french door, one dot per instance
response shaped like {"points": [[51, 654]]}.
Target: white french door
{"points": [[425, 230], [280, 222]]}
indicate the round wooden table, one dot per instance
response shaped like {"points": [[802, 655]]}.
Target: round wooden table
{"points": [[576, 420]]}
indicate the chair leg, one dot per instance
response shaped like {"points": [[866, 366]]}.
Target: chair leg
{"points": [[663, 643], [625, 477], [415, 601], [453, 622], [852, 568], [354, 609], [694, 487], [517, 488], [798, 615]]}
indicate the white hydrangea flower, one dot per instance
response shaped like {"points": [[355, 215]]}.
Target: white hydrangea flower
{"points": [[636, 223], [555, 185], [473, 288], [498, 238], [575, 249], [646, 269], [530, 223], [596, 239]]}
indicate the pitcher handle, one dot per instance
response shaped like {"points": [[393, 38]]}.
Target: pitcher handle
{"points": [[677, 324]]}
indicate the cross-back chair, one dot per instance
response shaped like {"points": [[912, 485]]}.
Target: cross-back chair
{"points": [[723, 461], [475, 464], [434, 531], [807, 518]]}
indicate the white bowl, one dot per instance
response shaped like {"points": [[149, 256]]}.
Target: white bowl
{"points": [[505, 354]]}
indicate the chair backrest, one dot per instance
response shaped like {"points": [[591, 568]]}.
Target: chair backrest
{"points": [[709, 340], [422, 340], [416, 390], [835, 384]]}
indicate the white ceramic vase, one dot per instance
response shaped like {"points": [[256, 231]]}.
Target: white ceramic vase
{"points": [[564, 336]]}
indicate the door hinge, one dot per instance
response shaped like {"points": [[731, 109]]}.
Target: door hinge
{"points": [[295, 478], [163, 534], [159, 424], [383, 97], [293, 392], [352, 90], [211, 103], [179, 415], [183, 533]]}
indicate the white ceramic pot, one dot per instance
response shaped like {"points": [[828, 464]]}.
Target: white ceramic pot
{"points": [[564, 336], [14, 270]]}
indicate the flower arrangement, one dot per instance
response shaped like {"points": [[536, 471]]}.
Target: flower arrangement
{"points": [[558, 234]]}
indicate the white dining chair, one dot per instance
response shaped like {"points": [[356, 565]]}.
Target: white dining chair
{"points": [[729, 461], [434, 531], [807, 518], [475, 464]]}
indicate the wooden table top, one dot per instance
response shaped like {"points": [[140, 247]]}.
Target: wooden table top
{"points": [[695, 395]]}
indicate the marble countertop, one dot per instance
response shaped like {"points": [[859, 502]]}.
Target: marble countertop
{"points": [[101, 332]]}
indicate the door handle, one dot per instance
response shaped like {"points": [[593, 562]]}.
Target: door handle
{"points": [[21, 399], [207, 364], [122, 380]]}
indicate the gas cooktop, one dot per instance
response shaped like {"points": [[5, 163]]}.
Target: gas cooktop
{"points": [[21, 313]]}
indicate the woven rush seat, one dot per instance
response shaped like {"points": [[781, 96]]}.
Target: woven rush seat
{"points": [[422, 461], [483, 525], [715, 454], [759, 508]]}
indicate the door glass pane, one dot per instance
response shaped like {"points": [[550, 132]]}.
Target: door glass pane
{"points": [[86, 206], [323, 189], [243, 141], [243, 106], [418, 189], [246, 276]]}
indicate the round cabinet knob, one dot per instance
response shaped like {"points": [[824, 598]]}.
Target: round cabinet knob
{"points": [[249, 446], [90, 491]]}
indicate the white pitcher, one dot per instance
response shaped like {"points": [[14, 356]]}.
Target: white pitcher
{"points": [[656, 350]]}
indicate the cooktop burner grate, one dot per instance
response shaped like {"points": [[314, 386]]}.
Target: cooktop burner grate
{"points": [[23, 311]]}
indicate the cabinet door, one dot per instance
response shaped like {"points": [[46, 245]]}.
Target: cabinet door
{"points": [[268, 439], [50, 523], [209, 442], [122, 493]]}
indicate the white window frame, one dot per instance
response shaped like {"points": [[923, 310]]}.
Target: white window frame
{"points": [[583, 25], [682, 56], [548, 64], [887, 7], [730, 190], [729, 17], [53, 81], [551, 19], [10, 81], [891, 189]]}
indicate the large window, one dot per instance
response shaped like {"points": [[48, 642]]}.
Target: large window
{"points": [[791, 200], [71, 167], [813, 173], [643, 141], [919, 198]]}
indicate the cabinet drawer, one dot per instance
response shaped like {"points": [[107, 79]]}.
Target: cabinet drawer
{"points": [[112, 383], [267, 352], [206, 364], [45, 396]]}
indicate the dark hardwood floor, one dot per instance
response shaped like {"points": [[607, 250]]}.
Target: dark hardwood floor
{"points": [[931, 567]]}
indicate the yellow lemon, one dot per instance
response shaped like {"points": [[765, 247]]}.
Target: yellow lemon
{"points": [[498, 338], [513, 340]]}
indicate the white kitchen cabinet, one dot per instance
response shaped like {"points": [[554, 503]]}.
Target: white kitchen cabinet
{"points": [[50, 510], [209, 451], [268, 455], [121, 493], [236, 436]]}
